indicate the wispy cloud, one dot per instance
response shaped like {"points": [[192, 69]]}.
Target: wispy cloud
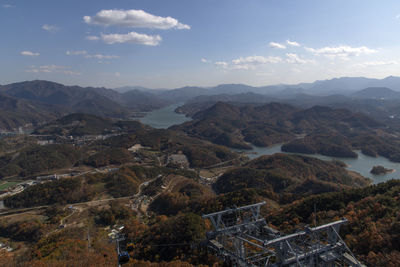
{"points": [[222, 64], [8, 6], [247, 63], [343, 51], [92, 38], [76, 53], [292, 43], [256, 60], [295, 59], [205, 60], [133, 38], [277, 45], [29, 53], [52, 69], [100, 56], [50, 28], [135, 19], [376, 63], [397, 16], [85, 54]]}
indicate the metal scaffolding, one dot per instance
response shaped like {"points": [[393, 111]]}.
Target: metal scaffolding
{"points": [[241, 237]]}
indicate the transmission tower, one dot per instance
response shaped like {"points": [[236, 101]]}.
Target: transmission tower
{"points": [[241, 237]]}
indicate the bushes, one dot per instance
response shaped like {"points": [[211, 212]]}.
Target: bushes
{"points": [[22, 231], [185, 230], [108, 156], [123, 183], [61, 192], [373, 214], [110, 216], [36, 159]]}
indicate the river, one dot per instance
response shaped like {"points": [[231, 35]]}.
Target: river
{"points": [[164, 117], [363, 164]]}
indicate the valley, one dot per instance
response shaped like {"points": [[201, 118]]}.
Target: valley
{"points": [[77, 182], [225, 133]]}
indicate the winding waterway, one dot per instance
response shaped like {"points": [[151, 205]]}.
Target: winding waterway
{"points": [[166, 117], [363, 164]]}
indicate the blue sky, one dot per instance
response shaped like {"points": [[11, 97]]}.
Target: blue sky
{"points": [[173, 43]]}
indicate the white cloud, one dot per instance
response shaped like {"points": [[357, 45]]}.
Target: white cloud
{"points": [[8, 6], [50, 28], [295, 59], [376, 63], [292, 43], [132, 37], [117, 74], [92, 38], [100, 56], [86, 55], [134, 18], [76, 53], [29, 53], [246, 63], [205, 60], [343, 51], [52, 69], [256, 60], [398, 16], [277, 45], [222, 64]]}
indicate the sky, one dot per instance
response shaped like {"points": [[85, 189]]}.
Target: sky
{"points": [[176, 43]]}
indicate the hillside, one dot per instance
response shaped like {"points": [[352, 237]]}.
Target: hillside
{"points": [[199, 103], [143, 101], [36, 102], [373, 229], [76, 124], [16, 112], [377, 93], [263, 125], [35, 159], [290, 176]]}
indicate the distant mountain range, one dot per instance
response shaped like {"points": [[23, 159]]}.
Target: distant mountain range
{"points": [[344, 86], [36, 102], [377, 93]]}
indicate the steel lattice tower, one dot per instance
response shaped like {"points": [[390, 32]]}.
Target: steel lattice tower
{"points": [[241, 237]]}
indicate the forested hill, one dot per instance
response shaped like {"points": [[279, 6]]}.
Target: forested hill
{"points": [[39, 101], [79, 124], [290, 176], [16, 112], [263, 125]]}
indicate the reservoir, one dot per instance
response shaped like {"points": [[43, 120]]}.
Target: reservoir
{"points": [[164, 117], [363, 164]]}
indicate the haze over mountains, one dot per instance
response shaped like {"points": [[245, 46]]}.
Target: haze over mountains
{"points": [[344, 85], [35, 102]]}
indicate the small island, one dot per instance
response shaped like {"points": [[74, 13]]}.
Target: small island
{"points": [[380, 170]]}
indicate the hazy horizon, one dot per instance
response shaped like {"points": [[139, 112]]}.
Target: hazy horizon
{"points": [[199, 86]]}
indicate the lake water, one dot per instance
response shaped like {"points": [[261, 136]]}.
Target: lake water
{"points": [[363, 164], [164, 117]]}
